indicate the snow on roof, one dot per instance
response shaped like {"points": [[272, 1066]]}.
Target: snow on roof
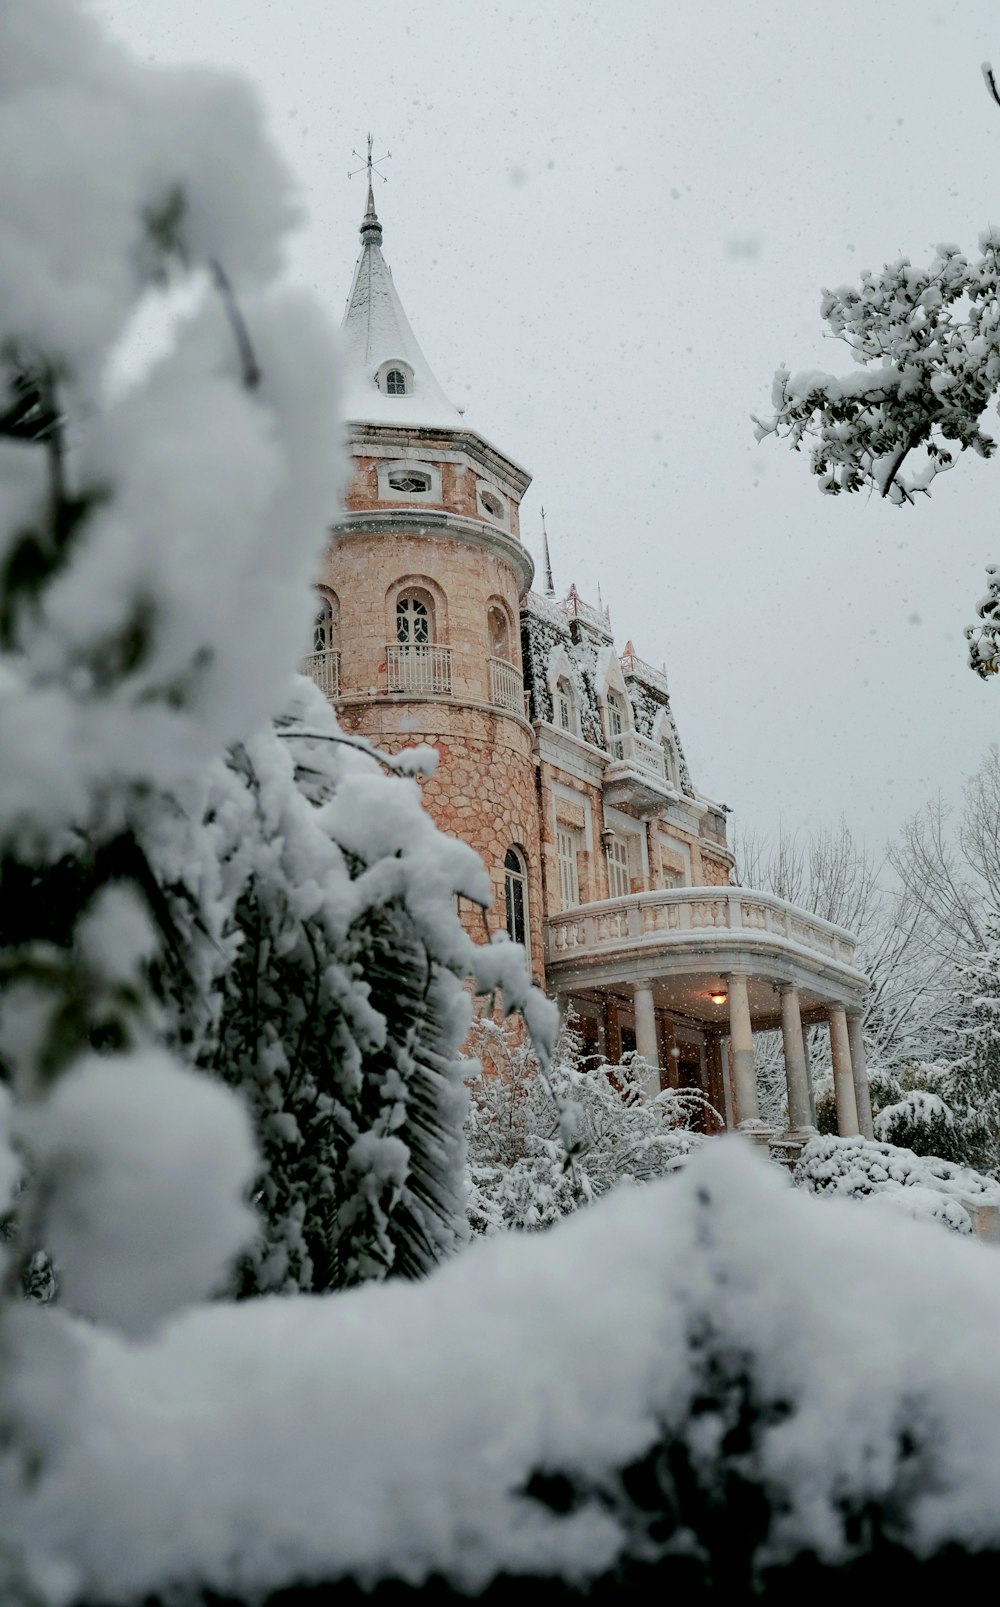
{"points": [[375, 331]]}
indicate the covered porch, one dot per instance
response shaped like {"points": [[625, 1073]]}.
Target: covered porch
{"points": [[686, 976]]}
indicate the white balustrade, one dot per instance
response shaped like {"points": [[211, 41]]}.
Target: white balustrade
{"points": [[324, 668], [506, 686], [420, 667], [647, 756], [688, 914]]}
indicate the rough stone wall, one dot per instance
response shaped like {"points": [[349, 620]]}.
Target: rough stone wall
{"points": [[483, 790]]}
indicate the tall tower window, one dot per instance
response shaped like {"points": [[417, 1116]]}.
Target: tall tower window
{"points": [[499, 634], [515, 881], [325, 628], [414, 625], [395, 382]]}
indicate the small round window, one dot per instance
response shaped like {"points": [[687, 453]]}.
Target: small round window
{"points": [[410, 482], [494, 507]]}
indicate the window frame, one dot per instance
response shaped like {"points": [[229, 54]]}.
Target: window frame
{"points": [[618, 867], [568, 848], [515, 886], [408, 602]]}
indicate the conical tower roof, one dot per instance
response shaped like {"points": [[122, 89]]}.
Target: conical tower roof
{"points": [[376, 332]]}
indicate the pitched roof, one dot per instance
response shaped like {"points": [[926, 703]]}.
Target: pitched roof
{"points": [[375, 330]]}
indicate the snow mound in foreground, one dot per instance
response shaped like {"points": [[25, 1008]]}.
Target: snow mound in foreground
{"points": [[393, 1430]]}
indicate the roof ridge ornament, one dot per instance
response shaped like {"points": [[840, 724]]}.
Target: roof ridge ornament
{"points": [[371, 228]]}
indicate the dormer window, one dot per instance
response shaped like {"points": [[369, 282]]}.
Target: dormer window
{"points": [[617, 725], [394, 377], [410, 483], [565, 706]]}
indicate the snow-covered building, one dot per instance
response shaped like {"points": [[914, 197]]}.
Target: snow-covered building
{"points": [[560, 760]]}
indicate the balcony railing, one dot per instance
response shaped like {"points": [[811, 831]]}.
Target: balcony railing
{"points": [[647, 756], [685, 916], [635, 666], [506, 686], [325, 670], [418, 667]]}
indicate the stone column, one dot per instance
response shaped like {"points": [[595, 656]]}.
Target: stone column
{"points": [[859, 1065], [741, 1039], [843, 1074], [646, 1043], [796, 1076], [809, 1076]]}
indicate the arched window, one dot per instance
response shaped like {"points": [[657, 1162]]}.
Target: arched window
{"points": [[395, 382], [324, 628], [515, 881], [414, 621], [617, 725], [565, 705], [323, 664], [499, 634]]}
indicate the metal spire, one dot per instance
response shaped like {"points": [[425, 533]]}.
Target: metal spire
{"points": [[550, 589], [370, 225]]}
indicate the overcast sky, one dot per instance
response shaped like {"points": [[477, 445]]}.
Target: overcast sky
{"points": [[608, 224]]}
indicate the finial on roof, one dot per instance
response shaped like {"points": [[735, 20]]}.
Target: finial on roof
{"points": [[550, 589], [371, 228]]}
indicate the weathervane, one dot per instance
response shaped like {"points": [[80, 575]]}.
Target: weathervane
{"points": [[369, 165]]}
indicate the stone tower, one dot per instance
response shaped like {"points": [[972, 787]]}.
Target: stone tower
{"points": [[419, 615]]}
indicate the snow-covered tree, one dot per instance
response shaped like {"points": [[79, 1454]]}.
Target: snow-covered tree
{"points": [[928, 342], [317, 902]]}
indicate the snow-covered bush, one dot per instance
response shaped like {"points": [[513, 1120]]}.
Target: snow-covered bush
{"points": [[540, 1145], [919, 1185]]}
